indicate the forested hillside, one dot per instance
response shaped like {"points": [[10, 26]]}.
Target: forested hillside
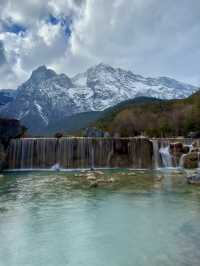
{"points": [[155, 119]]}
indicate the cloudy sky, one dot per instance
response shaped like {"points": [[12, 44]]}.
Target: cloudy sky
{"points": [[149, 37]]}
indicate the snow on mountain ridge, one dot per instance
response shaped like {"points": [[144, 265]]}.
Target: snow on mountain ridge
{"points": [[46, 96]]}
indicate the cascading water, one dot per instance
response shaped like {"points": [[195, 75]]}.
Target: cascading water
{"points": [[76, 153], [165, 155]]}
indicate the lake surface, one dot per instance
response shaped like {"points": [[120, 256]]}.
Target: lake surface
{"points": [[56, 219]]}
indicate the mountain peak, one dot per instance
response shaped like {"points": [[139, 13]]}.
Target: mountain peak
{"points": [[102, 65], [42, 72]]}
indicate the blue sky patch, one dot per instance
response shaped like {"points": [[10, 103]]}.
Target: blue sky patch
{"points": [[53, 20], [13, 27], [64, 21]]}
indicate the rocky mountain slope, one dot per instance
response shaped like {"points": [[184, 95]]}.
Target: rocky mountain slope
{"points": [[47, 97], [6, 96]]}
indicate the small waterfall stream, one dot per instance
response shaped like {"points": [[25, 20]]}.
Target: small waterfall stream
{"points": [[161, 154], [166, 156]]}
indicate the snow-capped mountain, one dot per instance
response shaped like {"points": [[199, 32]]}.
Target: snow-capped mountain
{"points": [[109, 86], [47, 96]]}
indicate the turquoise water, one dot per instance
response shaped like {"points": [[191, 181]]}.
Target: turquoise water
{"points": [[55, 219]]}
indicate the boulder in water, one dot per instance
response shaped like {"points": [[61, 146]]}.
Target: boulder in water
{"points": [[194, 179]]}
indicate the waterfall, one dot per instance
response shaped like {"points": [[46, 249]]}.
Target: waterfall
{"points": [[161, 153], [76, 153], [87, 153], [165, 155]]}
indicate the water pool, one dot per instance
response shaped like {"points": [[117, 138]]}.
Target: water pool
{"points": [[55, 219]]}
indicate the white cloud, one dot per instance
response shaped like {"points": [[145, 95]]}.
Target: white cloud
{"points": [[149, 37], [49, 33]]}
